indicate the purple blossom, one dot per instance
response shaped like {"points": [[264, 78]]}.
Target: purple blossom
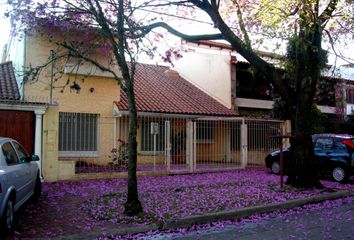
{"points": [[70, 207]]}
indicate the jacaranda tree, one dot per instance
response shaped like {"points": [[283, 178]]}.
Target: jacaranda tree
{"points": [[104, 33], [304, 25]]}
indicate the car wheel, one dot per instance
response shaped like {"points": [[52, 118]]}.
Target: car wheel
{"points": [[275, 168], [339, 174], [7, 220]]}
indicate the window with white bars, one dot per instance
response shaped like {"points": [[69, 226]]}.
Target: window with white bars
{"points": [[78, 133], [205, 132], [148, 129]]}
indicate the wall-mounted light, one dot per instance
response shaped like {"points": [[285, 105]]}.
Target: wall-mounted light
{"points": [[76, 87]]}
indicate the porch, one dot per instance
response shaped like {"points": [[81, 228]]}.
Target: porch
{"points": [[174, 143]]}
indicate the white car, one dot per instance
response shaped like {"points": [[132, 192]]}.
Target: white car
{"points": [[19, 181]]}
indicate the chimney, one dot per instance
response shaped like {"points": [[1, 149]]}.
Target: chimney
{"points": [[4, 53], [171, 73]]}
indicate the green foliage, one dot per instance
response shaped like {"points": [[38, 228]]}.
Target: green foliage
{"points": [[279, 108], [317, 117]]}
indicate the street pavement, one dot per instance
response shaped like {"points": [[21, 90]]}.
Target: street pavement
{"points": [[334, 223]]}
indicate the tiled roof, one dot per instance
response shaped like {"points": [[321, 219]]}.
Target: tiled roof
{"points": [[156, 91], [8, 84]]}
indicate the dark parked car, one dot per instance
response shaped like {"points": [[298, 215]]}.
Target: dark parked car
{"points": [[334, 156], [19, 181]]}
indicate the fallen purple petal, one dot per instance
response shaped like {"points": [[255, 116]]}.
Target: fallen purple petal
{"points": [[71, 207]]}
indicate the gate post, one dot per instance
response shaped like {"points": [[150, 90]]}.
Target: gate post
{"points": [[287, 131], [38, 139], [244, 146], [228, 145], [194, 145], [168, 145], [189, 143]]}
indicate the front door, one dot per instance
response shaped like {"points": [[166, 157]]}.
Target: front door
{"points": [[177, 157]]}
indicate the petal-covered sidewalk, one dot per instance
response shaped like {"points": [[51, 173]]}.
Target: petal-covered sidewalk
{"points": [[96, 205]]}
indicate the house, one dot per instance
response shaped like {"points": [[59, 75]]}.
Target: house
{"points": [[224, 74], [180, 126]]}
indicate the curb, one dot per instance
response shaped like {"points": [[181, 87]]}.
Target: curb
{"points": [[248, 211], [121, 231], [210, 217]]}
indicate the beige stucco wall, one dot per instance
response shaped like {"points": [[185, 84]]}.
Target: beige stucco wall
{"points": [[143, 158], [50, 144], [99, 101], [209, 70], [218, 150]]}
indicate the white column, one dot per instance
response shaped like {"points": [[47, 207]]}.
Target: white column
{"points": [[189, 143], [115, 133], [228, 144], [38, 138], [244, 146], [194, 145], [168, 145]]}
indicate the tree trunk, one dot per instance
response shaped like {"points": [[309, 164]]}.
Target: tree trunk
{"points": [[308, 64], [132, 206], [302, 168]]}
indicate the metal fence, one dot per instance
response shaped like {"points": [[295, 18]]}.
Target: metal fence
{"points": [[170, 143], [260, 139]]}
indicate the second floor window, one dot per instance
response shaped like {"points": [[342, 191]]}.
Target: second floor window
{"points": [[350, 95]]}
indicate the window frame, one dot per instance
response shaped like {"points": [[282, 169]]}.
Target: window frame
{"points": [[90, 153], [162, 136], [350, 95], [211, 126]]}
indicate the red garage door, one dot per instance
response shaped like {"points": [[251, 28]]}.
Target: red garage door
{"points": [[18, 125]]}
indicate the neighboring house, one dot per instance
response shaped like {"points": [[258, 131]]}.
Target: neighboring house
{"points": [[349, 98], [20, 120], [224, 74]]}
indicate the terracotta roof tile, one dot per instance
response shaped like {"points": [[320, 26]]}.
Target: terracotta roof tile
{"points": [[158, 92], [8, 85]]}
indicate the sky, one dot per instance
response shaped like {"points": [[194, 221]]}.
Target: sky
{"points": [[188, 27], [4, 28]]}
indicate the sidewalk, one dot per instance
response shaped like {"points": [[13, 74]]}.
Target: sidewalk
{"points": [[93, 208]]}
